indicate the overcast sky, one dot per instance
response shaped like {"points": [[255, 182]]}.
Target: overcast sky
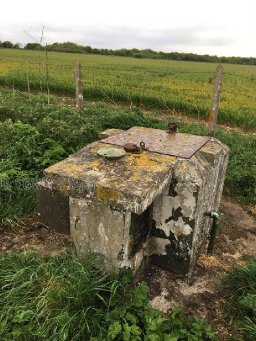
{"points": [[221, 27]]}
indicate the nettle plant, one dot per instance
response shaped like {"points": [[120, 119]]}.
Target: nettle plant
{"points": [[136, 320]]}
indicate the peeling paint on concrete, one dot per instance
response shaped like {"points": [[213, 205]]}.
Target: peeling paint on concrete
{"points": [[178, 228], [181, 225]]}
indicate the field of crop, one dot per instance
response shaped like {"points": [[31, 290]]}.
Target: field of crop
{"points": [[184, 87]]}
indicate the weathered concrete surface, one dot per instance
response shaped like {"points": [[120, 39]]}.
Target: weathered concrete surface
{"points": [[110, 132], [181, 226], [105, 196], [96, 227], [131, 183]]}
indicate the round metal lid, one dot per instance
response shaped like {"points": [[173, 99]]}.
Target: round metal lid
{"points": [[111, 153]]}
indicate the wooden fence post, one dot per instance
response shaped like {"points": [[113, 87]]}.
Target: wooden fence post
{"points": [[47, 74], [28, 84], [79, 88], [212, 120]]}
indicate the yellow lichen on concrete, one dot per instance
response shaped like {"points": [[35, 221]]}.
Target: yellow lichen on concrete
{"points": [[54, 168], [184, 166], [73, 169], [94, 164], [112, 181], [107, 195], [143, 129], [148, 162], [68, 167], [64, 187]]}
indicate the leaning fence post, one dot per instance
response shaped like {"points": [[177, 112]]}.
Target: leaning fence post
{"points": [[79, 87], [212, 120]]}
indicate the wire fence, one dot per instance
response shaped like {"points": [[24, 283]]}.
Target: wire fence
{"points": [[187, 91]]}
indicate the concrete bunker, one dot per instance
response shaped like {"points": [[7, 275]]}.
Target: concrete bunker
{"points": [[150, 205]]}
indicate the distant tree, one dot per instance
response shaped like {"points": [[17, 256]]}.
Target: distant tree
{"points": [[138, 55], [135, 53], [88, 49], [33, 46], [16, 46], [66, 47], [7, 44]]}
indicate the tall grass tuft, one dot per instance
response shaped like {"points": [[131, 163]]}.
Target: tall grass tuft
{"points": [[241, 286], [53, 298]]}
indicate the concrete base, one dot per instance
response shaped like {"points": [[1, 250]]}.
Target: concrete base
{"points": [[145, 206]]}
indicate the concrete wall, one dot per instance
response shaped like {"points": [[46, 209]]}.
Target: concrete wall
{"points": [[96, 227], [181, 226]]}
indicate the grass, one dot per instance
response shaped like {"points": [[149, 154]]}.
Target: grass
{"points": [[65, 298], [52, 298], [34, 136], [180, 86], [241, 286]]}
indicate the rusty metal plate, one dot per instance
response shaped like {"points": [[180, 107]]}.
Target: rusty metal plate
{"points": [[159, 141]]}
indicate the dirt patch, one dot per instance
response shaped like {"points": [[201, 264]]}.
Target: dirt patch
{"points": [[30, 234]]}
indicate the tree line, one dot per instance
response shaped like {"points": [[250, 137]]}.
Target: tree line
{"points": [[9, 45], [70, 47]]}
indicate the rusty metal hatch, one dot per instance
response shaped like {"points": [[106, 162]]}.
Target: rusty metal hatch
{"points": [[159, 141]]}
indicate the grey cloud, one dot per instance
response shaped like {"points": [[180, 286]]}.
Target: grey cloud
{"points": [[121, 37], [124, 37]]}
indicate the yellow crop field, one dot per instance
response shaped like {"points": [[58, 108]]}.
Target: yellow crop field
{"points": [[178, 86]]}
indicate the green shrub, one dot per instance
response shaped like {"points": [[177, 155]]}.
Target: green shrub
{"points": [[137, 320], [241, 174]]}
